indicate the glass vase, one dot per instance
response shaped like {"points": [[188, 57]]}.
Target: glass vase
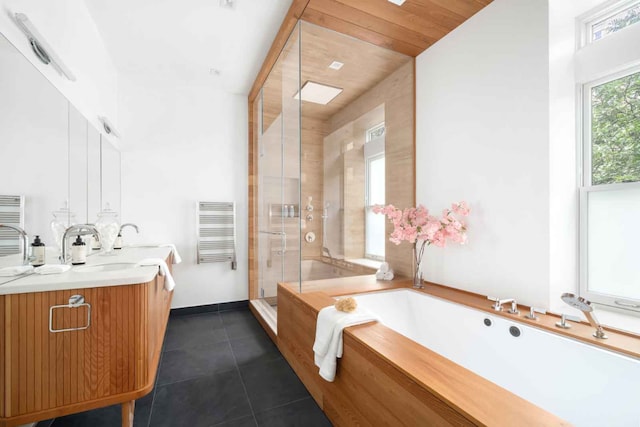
{"points": [[417, 260], [108, 227], [62, 219]]}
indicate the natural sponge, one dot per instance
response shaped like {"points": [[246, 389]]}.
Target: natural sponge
{"points": [[346, 304]]}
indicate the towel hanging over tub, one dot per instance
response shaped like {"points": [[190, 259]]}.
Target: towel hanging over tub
{"points": [[328, 343]]}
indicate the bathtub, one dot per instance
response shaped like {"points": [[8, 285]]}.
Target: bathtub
{"points": [[584, 384], [318, 270]]}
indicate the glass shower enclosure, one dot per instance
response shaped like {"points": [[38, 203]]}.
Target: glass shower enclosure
{"points": [[277, 131]]}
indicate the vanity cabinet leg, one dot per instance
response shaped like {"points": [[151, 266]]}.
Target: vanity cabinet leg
{"points": [[127, 413]]}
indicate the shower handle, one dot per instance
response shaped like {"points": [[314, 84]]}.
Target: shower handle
{"points": [[278, 233]]}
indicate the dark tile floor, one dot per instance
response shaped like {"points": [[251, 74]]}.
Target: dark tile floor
{"points": [[217, 369]]}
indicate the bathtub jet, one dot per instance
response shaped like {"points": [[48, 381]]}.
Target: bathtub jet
{"points": [[585, 306]]}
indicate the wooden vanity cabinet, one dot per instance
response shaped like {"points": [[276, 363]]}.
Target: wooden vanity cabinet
{"points": [[48, 374]]}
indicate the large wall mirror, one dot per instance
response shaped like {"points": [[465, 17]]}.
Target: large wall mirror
{"points": [[51, 157]]}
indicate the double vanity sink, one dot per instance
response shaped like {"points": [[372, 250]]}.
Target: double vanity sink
{"points": [[83, 339], [121, 268]]}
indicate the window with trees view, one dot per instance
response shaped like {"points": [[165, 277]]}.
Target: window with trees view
{"points": [[610, 195], [615, 131]]}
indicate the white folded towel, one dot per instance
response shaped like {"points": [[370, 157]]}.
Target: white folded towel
{"points": [[169, 283], [52, 269], [15, 271], [176, 256], [384, 267], [384, 275], [328, 343]]}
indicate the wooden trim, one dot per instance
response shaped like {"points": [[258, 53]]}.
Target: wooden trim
{"points": [[288, 24], [385, 378], [415, 129], [619, 341]]}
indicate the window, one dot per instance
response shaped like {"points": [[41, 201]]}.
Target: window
{"points": [[610, 20], [374, 192], [375, 132], [610, 194]]}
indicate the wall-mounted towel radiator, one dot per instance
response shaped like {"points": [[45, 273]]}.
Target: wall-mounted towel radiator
{"points": [[217, 232], [11, 213]]}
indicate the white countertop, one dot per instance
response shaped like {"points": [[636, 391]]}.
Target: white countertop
{"points": [[73, 279]]}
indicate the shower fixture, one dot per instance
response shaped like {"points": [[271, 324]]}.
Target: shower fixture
{"points": [[41, 48], [585, 306]]}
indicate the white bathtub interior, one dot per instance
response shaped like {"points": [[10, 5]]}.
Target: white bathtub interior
{"points": [[581, 383]]}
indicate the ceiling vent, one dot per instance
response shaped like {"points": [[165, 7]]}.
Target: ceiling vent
{"points": [[318, 93]]}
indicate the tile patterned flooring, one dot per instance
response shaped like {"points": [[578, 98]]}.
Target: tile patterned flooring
{"points": [[216, 369]]}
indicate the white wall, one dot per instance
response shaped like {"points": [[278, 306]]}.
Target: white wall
{"points": [[482, 136], [185, 144], [498, 126], [69, 29]]}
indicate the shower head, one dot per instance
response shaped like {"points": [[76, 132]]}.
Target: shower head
{"points": [[577, 302], [585, 306]]}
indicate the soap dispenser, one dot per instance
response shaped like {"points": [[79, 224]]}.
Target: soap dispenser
{"points": [[37, 252], [118, 243], [78, 252]]}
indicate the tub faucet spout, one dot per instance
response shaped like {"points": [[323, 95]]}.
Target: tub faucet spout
{"points": [[497, 306]]}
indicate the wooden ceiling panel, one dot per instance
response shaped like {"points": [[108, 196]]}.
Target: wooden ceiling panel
{"points": [[365, 65], [410, 28]]}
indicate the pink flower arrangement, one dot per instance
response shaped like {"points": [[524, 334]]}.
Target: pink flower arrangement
{"points": [[416, 225]]}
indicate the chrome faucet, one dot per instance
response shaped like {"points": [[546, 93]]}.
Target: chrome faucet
{"points": [[128, 225], [25, 242], [76, 230], [497, 306]]}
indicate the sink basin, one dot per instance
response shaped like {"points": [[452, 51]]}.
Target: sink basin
{"points": [[99, 268]]}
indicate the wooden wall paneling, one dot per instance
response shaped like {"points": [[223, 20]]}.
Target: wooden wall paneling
{"points": [[397, 93], [312, 143], [295, 322]]}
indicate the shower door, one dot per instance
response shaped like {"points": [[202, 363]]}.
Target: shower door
{"points": [[279, 174]]}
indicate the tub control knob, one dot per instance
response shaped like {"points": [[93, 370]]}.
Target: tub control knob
{"points": [[563, 321], [533, 311]]}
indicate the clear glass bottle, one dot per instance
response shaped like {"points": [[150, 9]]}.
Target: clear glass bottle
{"points": [[108, 227], [62, 219]]}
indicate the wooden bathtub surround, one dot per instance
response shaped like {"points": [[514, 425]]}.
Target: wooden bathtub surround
{"points": [[47, 375], [385, 378]]}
